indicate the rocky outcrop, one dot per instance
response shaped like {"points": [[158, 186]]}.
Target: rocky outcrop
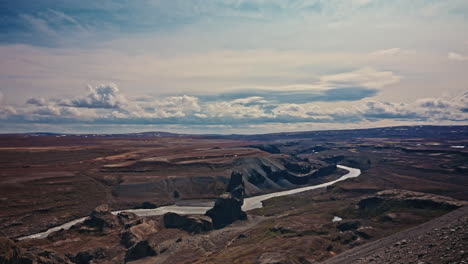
{"points": [[235, 181], [39, 255], [142, 249], [346, 237], [228, 206], [137, 231], [388, 199], [93, 255], [226, 210], [126, 218], [279, 172], [100, 220], [192, 224], [136, 237], [298, 167], [367, 232], [324, 171], [348, 225], [262, 173], [297, 179], [9, 252]]}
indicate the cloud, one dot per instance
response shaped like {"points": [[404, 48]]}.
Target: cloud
{"points": [[173, 106], [234, 110], [295, 96], [366, 77], [39, 25], [434, 103], [105, 105], [298, 110], [102, 96], [430, 109], [457, 57], [37, 101], [57, 111], [362, 2], [250, 100], [6, 111], [1, 97], [385, 52], [387, 110], [347, 86]]}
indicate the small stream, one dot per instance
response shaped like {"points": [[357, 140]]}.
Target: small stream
{"points": [[249, 204]]}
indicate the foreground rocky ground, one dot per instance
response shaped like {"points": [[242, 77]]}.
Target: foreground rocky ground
{"points": [[302, 234], [442, 240]]}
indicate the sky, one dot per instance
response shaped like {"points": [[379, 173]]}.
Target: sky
{"points": [[232, 66]]}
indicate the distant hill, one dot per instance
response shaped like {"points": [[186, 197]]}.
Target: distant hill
{"points": [[449, 132]]}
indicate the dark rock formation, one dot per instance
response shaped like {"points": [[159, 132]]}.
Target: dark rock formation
{"points": [[324, 171], [346, 237], [95, 254], [277, 175], [142, 249], [296, 179], [126, 218], [137, 231], [226, 210], [147, 205], [100, 220], [255, 177], [366, 232], [192, 224], [39, 255], [348, 225], [298, 167], [83, 257], [235, 181], [9, 252], [228, 206]]}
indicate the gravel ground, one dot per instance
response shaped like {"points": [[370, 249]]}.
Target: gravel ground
{"points": [[441, 240]]}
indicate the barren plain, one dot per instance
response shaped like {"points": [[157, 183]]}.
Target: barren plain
{"points": [[410, 175]]}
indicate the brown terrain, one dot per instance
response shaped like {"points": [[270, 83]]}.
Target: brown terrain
{"points": [[411, 176]]}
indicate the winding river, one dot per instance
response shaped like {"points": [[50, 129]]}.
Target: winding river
{"points": [[249, 204]]}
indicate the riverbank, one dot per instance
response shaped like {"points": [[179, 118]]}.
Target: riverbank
{"points": [[249, 204]]}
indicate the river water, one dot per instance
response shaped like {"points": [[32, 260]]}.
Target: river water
{"points": [[249, 204]]}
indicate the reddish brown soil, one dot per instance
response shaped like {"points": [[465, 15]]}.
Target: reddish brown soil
{"points": [[48, 180]]}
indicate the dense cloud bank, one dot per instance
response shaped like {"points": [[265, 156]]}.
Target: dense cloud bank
{"points": [[106, 104]]}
